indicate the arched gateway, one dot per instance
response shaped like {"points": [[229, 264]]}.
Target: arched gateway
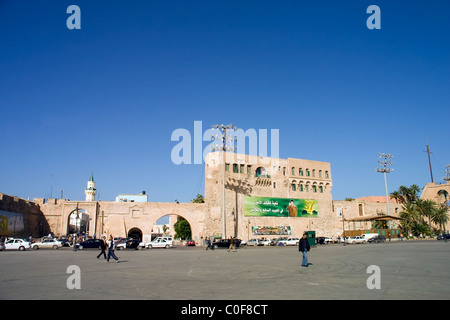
{"points": [[121, 219]]}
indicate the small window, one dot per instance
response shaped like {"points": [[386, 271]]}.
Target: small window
{"points": [[294, 187], [320, 189], [300, 186], [241, 169], [326, 174], [235, 168], [284, 171], [320, 173], [293, 171], [308, 173], [314, 188], [227, 167], [249, 169], [274, 185], [300, 172], [314, 172]]}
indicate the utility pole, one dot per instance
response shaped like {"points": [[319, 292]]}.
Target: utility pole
{"points": [[224, 146], [384, 165], [429, 162]]}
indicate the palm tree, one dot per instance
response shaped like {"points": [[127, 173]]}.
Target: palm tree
{"points": [[441, 217], [426, 209], [409, 217], [445, 194], [397, 196]]}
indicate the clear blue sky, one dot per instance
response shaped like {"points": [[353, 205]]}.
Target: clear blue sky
{"points": [[106, 98]]}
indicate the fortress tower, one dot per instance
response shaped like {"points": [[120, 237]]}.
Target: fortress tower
{"points": [[90, 191]]}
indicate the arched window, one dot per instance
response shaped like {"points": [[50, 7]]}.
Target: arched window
{"points": [[314, 172], [300, 172], [326, 174], [293, 171], [308, 173], [261, 172]]}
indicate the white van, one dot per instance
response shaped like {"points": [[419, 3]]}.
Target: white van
{"points": [[368, 236]]}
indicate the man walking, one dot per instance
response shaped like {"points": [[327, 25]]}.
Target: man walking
{"points": [[102, 247], [232, 245], [304, 247], [111, 249]]}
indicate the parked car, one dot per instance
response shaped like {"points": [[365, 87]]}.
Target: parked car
{"points": [[276, 242], [161, 242], [291, 241], [64, 241], [225, 243], [89, 244], [190, 243], [253, 242], [356, 239], [265, 242], [128, 244], [368, 236], [47, 243], [377, 239], [444, 236], [2, 246], [16, 244], [321, 240], [144, 245]]}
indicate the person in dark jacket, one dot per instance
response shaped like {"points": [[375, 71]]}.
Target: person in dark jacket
{"points": [[102, 247], [303, 247]]}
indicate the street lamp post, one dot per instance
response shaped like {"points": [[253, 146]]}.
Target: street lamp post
{"points": [[384, 167], [224, 146]]}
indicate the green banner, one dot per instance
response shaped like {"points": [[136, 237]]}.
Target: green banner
{"points": [[280, 207]]}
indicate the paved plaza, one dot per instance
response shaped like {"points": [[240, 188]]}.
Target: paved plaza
{"points": [[408, 269]]}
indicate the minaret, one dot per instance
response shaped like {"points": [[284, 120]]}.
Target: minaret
{"points": [[90, 191]]}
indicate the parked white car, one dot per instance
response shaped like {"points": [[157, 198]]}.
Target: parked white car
{"points": [[368, 236], [160, 242], [291, 242], [357, 239], [265, 242], [16, 244], [253, 242], [47, 243]]}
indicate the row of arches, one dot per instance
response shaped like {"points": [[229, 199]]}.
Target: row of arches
{"points": [[308, 186], [79, 223]]}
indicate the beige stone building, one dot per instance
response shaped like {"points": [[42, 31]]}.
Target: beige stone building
{"points": [[245, 177], [264, 197]]}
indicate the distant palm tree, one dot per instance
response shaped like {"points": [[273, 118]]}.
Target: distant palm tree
{"points": [[426, 209], [397, 196], [441, 217], [445, 194], [409, 217]]}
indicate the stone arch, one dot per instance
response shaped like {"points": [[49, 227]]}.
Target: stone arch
{"points": [[78, 222], [135, 233]]}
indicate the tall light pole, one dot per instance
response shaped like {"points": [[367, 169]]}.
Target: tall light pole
{"points": [[447, 173], [224, 146], [384, 167]]}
